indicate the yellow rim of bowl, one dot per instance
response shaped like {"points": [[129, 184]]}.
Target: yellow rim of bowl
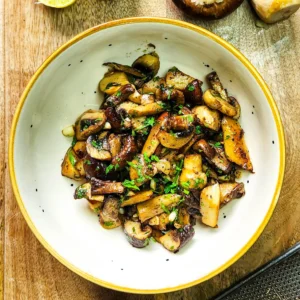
{"points": [[201, 31]]}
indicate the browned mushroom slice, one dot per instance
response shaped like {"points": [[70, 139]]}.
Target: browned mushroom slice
{"points": [[181, 122], [237, 106], [115, 144], [156, 206], [210, 201], [90, 122], [137, 236], [214, 154], [149, 64], [175, 140], [112, 81], [160, 222], [98, 148], [174, 240], [217, 85], [137, 198], [192, 176], [128, 151], [125, 69], [114, 118], [211, 9], [120, 95], [153, 85], [156, 234], [68, 166], [147, 110], [109, 214], [177, 79], [213, 100], [80, 149], [84, 192], [235, 146], [208, 118], [152, 141], [193, 92], [100, 187], [229, 191]]}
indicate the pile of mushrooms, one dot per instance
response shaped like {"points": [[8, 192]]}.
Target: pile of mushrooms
{"points": [[159, 153]]}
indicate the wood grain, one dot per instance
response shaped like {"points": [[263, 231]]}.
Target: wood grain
{"points": [[32, 32]]}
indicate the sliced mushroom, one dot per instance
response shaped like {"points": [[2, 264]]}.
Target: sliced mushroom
{"points": [[109, 214], [229, 191], [97, 168], [84, 192], [174, 240], [160, 222], [177, 79], [237, 106], [181, 122], [217, 85], [112, 81], [98, 147], [127, 152], [191, 176], [95, 206], [137, 198], [137, 236], [147, 110], [153, 85], [114, 118], [210, 201], [214, 101], [80, 149], [211, 9], [162, 166], [176, 140], [164, 93], [68, 166], [156, 206], [214, 154], [234, 143], [148, 64], [147, 99], [115, 143], [120, 95], [100, 187], [135, 97], [125, 69], [208, 118], [184, 218], [152, 141], [90, 122], [157, 234], [193, 92]]}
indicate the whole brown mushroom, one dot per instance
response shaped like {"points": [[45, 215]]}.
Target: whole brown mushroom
{"points": [[210, 9]]}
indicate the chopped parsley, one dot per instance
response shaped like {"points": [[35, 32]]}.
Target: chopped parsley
{"points": [[109, 168], [72, 158], [130, 184], [171, 186], [198, 129], [227, 137], [186, 184], [156, 78], [190, 88], [187, 192], [87, 162], [164, 208], [133, 229], [96, 144], [190, 118], [74, 141], [217, 145], [150, 121], [110, 223], [118, 94], [80, 192], [198, 181], [154, 158], [147, 159], [98, 119], [172, 248], [207, 172]]}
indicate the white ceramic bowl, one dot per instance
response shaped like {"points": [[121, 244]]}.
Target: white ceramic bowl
{"points": [[66, 85]]}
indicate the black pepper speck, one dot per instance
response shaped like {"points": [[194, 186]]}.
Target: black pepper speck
{"points": [[81, 61], [167, 259], [36, 190], [253, 106], [95, 92], [69, 65], [273, 142], [247, 181], [31, 126], [43, 210], [121, 269], [230, 80], [252, 113], [166, 38], [110, 45], [224, 217], [72, 184]]}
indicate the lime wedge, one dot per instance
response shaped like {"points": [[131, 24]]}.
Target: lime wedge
{"points": [[57, 3]]}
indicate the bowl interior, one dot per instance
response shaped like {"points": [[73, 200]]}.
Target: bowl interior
{"points": [[67, 87]]}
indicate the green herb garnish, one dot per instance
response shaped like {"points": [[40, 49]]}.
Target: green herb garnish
{"points": [[87, 162], [164, 208], [186, 184], [217, 145], [198, 129], [109, 168], [72, 158], [108, 224], [118, 94], [154, 158], [190, 88], [130, 184], [74, 141]]}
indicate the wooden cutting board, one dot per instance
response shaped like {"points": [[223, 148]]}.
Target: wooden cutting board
{"points": [[30, 32]]}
